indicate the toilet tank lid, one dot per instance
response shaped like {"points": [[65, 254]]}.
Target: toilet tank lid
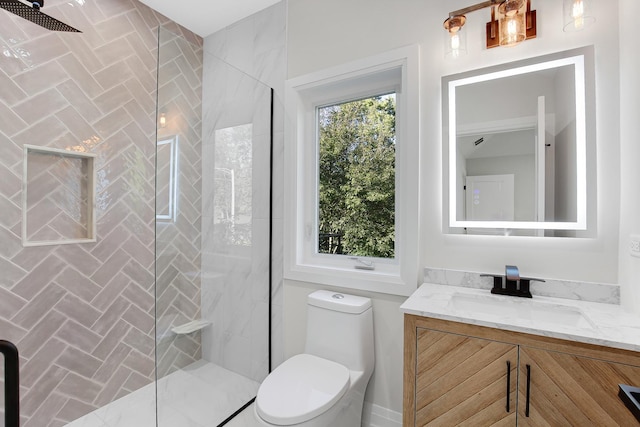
{"points": [[338, 301]]}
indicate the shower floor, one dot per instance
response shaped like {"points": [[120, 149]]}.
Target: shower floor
{"points": [[200, 395]]}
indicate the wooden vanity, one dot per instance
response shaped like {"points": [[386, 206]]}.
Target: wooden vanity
{"points": [[460, 374]]}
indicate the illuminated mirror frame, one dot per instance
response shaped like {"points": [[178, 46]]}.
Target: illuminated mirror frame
{"points": [[172, 189], [577, 58]]}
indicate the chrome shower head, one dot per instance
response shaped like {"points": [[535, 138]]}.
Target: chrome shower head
{"points": [[32, 13]]}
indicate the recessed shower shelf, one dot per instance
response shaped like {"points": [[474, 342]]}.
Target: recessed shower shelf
{"points": [[190, 327], [58, 196]]}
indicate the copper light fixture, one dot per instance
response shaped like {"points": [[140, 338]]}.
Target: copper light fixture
{"points": [[455, 39], [512, 21], [512, 25]]}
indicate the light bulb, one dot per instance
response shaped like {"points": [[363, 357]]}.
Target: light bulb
{"points": [[577, 13], [512, 28], [455, 41]]}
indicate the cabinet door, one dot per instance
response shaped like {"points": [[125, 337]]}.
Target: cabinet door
{"points": [[568, 390], [464, 381]]}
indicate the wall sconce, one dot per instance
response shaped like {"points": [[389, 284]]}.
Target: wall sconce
{"points": [[513, 27], [577, 15], [455, 41], [163, 120], [512, 21]]}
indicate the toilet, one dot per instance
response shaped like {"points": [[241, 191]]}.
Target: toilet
{"points": [[325, 385]]}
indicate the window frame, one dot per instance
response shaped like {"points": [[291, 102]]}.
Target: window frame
{"points": [[393, 71]]}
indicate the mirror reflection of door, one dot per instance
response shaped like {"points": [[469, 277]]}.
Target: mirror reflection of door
{"points": [[501, 152], [490, 198]]}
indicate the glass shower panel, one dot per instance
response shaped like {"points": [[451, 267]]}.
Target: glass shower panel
{"points": [[236, 230], [212, 245]]}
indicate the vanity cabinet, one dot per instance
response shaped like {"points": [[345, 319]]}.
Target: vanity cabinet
{"points": [[462, 380], [571, 390], [468, 375]]}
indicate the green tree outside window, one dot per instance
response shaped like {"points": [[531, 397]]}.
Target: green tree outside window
{"points": [[357, 177]]}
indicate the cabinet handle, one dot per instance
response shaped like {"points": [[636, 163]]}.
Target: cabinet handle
{"points": [[508, 384], [526, 410]]}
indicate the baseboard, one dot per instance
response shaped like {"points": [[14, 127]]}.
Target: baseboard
{"points": [[377, 416]]}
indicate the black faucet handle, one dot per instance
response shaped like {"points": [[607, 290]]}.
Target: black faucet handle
{"points": [[504, 285], [525, 288], [498, 282]]}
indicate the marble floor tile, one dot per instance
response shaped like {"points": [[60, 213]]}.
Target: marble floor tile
{"points": [[201, 395], [89, 420], [245, 418]]}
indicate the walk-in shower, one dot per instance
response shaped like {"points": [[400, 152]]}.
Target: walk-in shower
{"points": [[159, 314]]}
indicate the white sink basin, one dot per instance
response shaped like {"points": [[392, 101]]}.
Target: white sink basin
{"points": [[483, 304], [521, 310]]}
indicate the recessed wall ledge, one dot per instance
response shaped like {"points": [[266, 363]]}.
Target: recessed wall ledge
{"points": [[581, 291]]}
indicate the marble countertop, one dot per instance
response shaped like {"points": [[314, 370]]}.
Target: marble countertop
{"points": [[589, 322]]}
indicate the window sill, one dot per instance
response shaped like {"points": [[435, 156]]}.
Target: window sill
{"points": [[365, 280]]}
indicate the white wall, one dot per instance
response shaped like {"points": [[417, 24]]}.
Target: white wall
{"points": [[331, 32], [630, 151]]}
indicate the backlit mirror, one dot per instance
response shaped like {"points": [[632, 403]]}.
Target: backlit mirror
{"points": [[517, 142], [166, 179]]}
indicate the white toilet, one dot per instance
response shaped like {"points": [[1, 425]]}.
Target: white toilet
{"points": [[325, 385]]}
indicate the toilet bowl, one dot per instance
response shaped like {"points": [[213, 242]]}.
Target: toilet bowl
{"points": [[325, 385]]}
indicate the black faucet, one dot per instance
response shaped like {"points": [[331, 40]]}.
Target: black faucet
{"points": [[511, 283]]}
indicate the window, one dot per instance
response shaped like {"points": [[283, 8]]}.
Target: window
{"points": [[356, 177], [352, 165]]}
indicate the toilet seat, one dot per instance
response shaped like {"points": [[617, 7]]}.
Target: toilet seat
{"points": [[300, 389]]}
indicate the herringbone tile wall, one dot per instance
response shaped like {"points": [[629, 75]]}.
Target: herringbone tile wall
{"points": [[82, 315], [178, 239]]}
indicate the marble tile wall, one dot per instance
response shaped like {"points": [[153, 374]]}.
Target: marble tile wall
{"points": [[235, 243], [583, 291], [241, 63], [81, 314]]}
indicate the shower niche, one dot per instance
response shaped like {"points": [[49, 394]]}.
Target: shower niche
{"points": [[58, 197]]}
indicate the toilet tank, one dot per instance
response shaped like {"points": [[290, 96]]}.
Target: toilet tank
{"points": [[340, 328]]}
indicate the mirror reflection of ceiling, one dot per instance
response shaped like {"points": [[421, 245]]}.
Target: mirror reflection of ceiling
{"points": [[510, 97], [497, 144]]}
